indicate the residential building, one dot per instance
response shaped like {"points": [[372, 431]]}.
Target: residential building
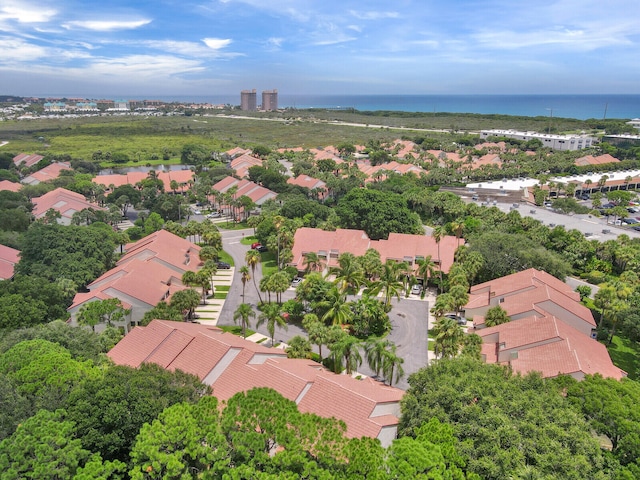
{"points": [[399, 247], [49, 172], [311, 183], [63, 201], [257, 193], [184, 178], [10, 186], [555, 142], [549, 330], [270, 100], [530, 293], [241, 164], [230, 364], [8, 259], [599, 160], [149, 272], [26, 159], [248, 100]]}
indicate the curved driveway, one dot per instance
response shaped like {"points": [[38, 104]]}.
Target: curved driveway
{"points": [[409, 316]]}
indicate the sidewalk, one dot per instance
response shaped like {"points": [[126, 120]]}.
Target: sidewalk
{"points": [[209, 312]]}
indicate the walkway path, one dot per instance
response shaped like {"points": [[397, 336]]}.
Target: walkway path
{"points": [[209, 313]]}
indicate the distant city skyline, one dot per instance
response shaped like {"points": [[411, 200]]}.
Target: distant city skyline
{"points": [[123, 48]]}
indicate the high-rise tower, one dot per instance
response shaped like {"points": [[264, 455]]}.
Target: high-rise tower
{"points": [[248, 100], [270, 100]]}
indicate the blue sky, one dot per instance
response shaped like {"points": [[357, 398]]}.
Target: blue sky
{"points": [[191, 47]]}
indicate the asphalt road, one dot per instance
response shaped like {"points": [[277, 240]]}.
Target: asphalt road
{"points": [[408, 316]]}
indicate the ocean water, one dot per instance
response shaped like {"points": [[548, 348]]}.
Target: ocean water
{"points": [[567, 106]]}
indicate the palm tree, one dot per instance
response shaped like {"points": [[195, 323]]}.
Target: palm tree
{"points": [[392, 365], [338, 311], [444, 303], [345, 352], [244, 277], [299, 347], [389, 282], [317, 331], [271, 316], [349, 273], [438, 233], [374, 350], [253, 258], [448, 337], [426, 269], [312, 262], [457, 228], [243, 313]]}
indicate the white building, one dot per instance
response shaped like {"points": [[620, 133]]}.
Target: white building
{"points": [[555, 142]]}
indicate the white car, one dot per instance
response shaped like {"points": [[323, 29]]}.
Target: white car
{"points": [[416, 289], [213, 215], [296, 281], [197, 212]]}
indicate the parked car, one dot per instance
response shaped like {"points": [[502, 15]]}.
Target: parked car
{"points": [[197, 212], [461, 320], [296, 281], [255, 244], [223, 266], [585, 196], [636, 228], [261, 248], [214, 215], [416, 289], [630, 221]]}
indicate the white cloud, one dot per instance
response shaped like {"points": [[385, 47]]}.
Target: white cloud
{"points": [[275, 42], [216, 43], [147, 66], [106, 25], [23, 12], [373, 15]]}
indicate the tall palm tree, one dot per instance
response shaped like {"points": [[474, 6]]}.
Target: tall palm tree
{"points": [[317, 331], [392, 365], [253, 259], [337, 310], [448, 337], [312, 262], [389, 282], [345, 353], [438, 234], [243, 313], [349, 273], [245, 276], [374, 351], [271, 316], [426, 269]]}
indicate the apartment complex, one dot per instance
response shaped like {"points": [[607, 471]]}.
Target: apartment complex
{"points": [[555, 142], [270, 100], [248, 101]]}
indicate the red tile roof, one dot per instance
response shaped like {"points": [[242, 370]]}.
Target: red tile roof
{"points": [[9, 185], [549, 346], [26, 159], [307, 182], [257, 193], [231, 364], [243, 163], [8, 258], [599, 160], [132, 178], [166, 248], [63, 201], [49, 172], [398, 247]]}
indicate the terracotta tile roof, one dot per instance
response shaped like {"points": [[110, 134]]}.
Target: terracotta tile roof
{"points": [[8, 258], [547, 345], [398, 247], [257, 193], [26, 159], [165, 248], [49, 172], [132, 178], [234, 152], [307, 182], [243, 163], [231, 364], [599, 160], [9, 185], [64, 201]]}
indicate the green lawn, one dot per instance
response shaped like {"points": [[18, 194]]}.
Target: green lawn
{"points": [[236, 330], [223, 288], [248, 240], [225, 257], [269, 264], [232, 226], [220, 295], [625, 354]]}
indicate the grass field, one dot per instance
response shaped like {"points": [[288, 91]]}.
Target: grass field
{"points": [[146, 139], [625, 354]]}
